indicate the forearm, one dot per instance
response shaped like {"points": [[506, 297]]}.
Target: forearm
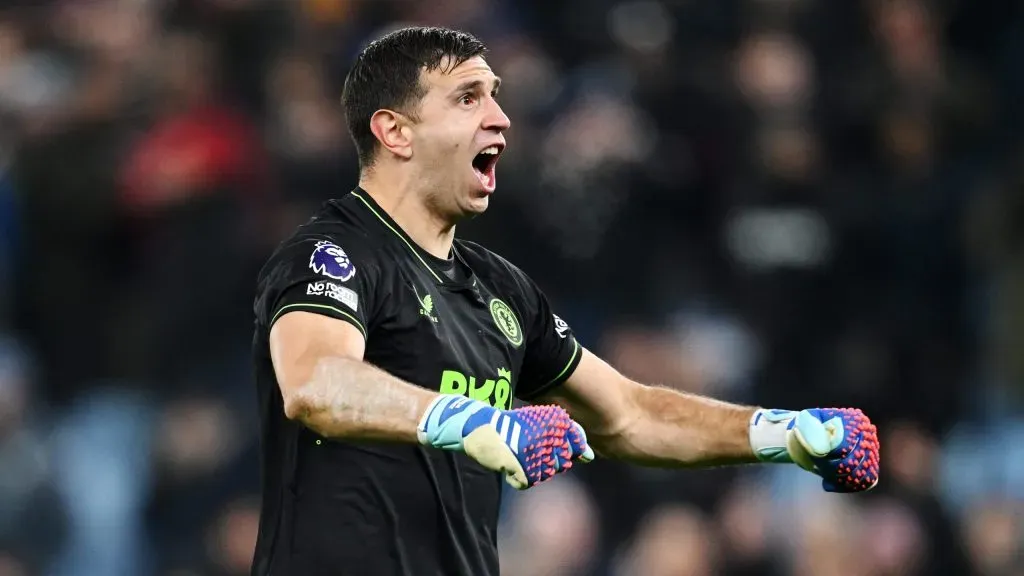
{"points": [[348, 398], [673, 429]]}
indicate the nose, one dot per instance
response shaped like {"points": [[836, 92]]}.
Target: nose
{"points": [[495, 119]]}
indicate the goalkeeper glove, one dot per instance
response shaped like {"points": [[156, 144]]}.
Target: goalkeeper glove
{"points": [[529, 445], [840, 445]]}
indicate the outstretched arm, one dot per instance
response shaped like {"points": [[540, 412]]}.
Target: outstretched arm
{"points": [[655, 426], [651, 425]]}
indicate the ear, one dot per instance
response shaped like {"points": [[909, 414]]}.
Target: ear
{"points": [[392, 132]]}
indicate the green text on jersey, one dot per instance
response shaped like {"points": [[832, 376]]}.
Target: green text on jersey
{"points": [[495, 391]]}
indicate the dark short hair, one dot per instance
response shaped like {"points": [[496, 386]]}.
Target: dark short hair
{"points": [[386, 74]]}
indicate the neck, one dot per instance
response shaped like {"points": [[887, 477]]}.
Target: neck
{"points": [[407, 206]]}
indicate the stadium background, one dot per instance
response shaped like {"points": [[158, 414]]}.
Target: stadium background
{"points": [[789, 202]]}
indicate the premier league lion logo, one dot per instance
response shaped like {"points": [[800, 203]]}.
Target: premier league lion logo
{"points": [[330, 260]]}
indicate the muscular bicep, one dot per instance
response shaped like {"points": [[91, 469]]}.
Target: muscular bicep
{"points": [[597, 396], [300, 340]]}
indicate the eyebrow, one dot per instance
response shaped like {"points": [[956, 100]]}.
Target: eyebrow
{"points": [[471, 85]]}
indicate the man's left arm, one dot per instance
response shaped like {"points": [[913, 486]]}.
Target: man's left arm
{"points": [[654, 426], [650, 425]]}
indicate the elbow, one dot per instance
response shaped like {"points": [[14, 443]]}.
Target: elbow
{"points": [[305, 394], [618, 429], [615, 445], [630, 413], [295, 406], [617, 434], [301, 389], [611, 434], [303, 409]]}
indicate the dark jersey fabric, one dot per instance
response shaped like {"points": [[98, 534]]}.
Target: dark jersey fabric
{"points": [[475, 322]]}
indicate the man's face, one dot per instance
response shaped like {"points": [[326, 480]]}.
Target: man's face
{"points": [[459, 136]]}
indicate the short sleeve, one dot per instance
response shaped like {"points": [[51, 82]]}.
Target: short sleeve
{"points": [[322, 274], [552, 352]]}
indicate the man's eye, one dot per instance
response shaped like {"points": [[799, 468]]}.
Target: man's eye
{"points": [[467, 99]]}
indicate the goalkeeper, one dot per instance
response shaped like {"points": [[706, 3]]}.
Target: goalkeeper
{"points": [[388, 354]]}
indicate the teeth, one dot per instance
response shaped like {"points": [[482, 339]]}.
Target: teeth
{"points": [[490, 150]]}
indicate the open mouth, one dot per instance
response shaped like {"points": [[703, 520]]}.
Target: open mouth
{"points": [[484, 163]]}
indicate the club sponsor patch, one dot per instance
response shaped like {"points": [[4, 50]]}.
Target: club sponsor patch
{"points": [[334, 291], [331, 261]]}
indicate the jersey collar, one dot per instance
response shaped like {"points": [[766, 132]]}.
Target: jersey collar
{"points": [[434, 265]]}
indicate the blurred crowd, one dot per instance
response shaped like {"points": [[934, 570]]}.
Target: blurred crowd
{"points": [[785, 202]]}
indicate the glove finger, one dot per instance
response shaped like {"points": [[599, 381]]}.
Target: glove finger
{"points": [[830, 486], [813, 435], [486, 447], [581, 450], [517, 482], [562, 455], [841, 488], [562, 464], [569, 448], [852, 465]]}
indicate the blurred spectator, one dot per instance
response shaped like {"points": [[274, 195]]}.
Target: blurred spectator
{"points": [[540, 542], [8, 247], [197, 451], [648, 355], [672, 541], [899, 544], [820, 541], [745, 524], [997, 253], [195, 192], [307, 133], [994, 537], [912, 459], [67, 231], [31, 514], [231, 540], [35, 82], [782, 202]]}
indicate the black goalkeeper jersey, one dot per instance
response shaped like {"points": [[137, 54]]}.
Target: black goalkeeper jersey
{"points": [[473, 325]]}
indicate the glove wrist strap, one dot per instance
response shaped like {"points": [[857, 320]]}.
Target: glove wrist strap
{"points": [[421, 428], [767, 431]]}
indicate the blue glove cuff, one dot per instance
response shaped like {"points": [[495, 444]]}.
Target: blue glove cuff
{"points": [[444, 422]]}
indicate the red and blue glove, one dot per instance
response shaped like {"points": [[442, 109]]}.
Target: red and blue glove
{"points": [[529, 445], [838, 444]]}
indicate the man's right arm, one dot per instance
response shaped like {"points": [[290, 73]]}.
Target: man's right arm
{"points": [[328, 387]]}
